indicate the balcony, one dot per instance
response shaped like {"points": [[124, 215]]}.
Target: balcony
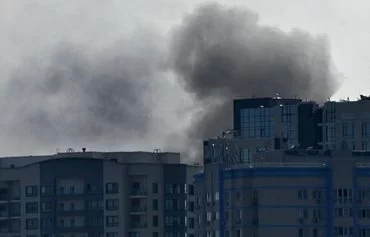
{"points": [[255, 222], [4, 195], [138, 210], [255, 202], [69, 194], [138, 225], [138, 193]]}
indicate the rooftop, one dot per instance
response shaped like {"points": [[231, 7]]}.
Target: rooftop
{"points": [[135, 157]]}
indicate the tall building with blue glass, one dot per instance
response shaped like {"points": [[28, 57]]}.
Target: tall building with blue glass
{"points": [[256, 185]]}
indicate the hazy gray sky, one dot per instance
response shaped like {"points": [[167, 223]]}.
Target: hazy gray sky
{"points": [[31, 30], [345, 23], [28, 25]]}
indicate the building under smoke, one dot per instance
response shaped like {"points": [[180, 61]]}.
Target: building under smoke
{"points": [[131, 94]]}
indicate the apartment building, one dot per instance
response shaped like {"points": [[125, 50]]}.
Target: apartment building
{"points": [[293, 169], [346, 125], [273, 123], [96, 194], [291, 193]]}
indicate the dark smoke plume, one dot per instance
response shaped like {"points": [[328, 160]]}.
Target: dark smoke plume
{"points": [[140, 94], [224, 54]]}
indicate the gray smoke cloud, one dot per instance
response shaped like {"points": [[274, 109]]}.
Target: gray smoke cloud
{"points": [[223, 54], [147, 90]]}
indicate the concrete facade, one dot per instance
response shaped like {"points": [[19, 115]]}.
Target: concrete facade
{"points": [[284, 194], [83, 194], [346, 125], [257, 185]]}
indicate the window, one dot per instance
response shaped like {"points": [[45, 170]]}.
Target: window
{"points": [[191, 206], [112, 234], [46, 190], [31, 191], [32, 224], [111, 204], [112, 221], [46, 206], [317, 194], [155, 204], [91, 188], [155, 234], [133, 234], [238, 233], [365, 146], [94, 221], [209, 216], [168, 204], [72, 222], [155, 221], [300, 232], [154, 188], [256, 122], [343, 195], [191, 222], [217, 196], [95, 204], [365, 129], [191, 190], [348, 130], [303, 213], [238, 195], [32, 207], [177, 188], [46, 223], [302, 194], [343, 231], [168, 188], [111, 188], [363, 213]]}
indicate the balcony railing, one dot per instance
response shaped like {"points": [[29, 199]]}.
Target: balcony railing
{"points": [[275, 164], [138, 209], [138, 225], [138, 192], [4, 213]]}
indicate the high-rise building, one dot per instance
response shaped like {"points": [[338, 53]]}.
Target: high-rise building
{"points": [[254, 185], [84, 194], [346, 125], [277, 122], [304, 193]]}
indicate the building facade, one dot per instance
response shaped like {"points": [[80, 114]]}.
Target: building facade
{"points": [[286, 194], [277, 122], [346, 125], [83, 194], [295, 169]]}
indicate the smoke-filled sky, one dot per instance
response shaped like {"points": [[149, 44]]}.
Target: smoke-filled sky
{"points": [[117, 75]]}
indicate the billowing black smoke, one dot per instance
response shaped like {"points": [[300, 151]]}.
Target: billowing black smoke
{"points": [[128, 93], [223, 54]]}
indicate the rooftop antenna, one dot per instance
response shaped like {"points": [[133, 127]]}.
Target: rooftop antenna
{"points": [[70, 150]]}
